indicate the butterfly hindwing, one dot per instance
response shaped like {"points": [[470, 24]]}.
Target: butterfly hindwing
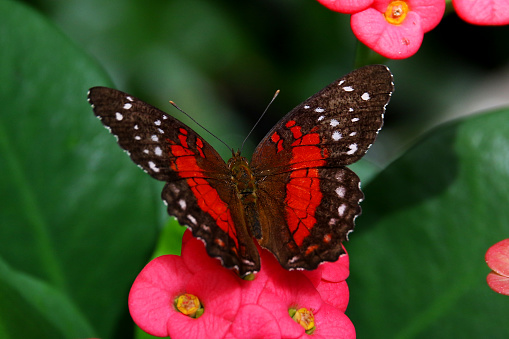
{"points": [[195, 173], [302, 159]]}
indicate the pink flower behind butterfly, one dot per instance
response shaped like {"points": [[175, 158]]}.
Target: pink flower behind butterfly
{"points": [[483, 12], [497, 258], [237, 308], [332, 284]]}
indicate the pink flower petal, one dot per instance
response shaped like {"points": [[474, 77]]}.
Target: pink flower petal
{"points": [[290, 289], [337, 271], [498, 283], [483, 12], [497, 257], [152, 294], [332, 324], [195, 256], [391, 41], [346, 6], [254, 321], [279, 309], [335, 294], [251, 289], [219, 292], [186, 236]]}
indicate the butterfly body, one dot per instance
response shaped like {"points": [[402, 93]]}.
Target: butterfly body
{"points": [[295, 197]]}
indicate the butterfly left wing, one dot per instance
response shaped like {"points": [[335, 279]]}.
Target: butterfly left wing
{"points": [[300, 167], [197, 191]]}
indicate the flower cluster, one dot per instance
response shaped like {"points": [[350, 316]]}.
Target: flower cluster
{"points": [[193, 296], [395, 28], [497, 258]]}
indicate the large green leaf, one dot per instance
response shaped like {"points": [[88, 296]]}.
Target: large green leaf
{"points": [[417, 256], [76, 214], [41, 309]]}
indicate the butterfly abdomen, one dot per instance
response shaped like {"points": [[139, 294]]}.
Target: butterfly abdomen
{"points": [[245, 187]]}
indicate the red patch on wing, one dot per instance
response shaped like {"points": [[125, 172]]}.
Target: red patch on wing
{"points": [[303, 193], [208, 199], [277, 140], [199, 143]]}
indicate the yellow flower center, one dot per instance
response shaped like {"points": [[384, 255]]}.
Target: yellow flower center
{"points": [[189, 305], [304, 318], [396, 12]]}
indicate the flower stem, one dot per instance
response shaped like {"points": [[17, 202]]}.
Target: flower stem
{"points": [[365, 56]]}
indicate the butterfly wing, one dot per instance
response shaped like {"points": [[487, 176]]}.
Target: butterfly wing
{"points": [[300, 167], [197, 191]]}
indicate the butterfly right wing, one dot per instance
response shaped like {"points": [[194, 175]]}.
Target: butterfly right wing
{"points": [[198, 191]]}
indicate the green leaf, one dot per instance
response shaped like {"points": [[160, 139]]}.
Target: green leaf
{"points": [[26, 300], [76, 213], [417, 256]]}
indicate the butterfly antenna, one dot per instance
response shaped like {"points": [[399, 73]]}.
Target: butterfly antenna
{"points": [[196, 122], [260, 118]]}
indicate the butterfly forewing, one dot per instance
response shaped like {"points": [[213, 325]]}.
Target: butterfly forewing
{"points": [[302, 159], [342, 120], [170, 151]]}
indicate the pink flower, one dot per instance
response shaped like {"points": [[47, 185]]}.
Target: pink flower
{"points": [[483, 12], [193, 296], [292, 291], [254, 321], [395, 29], [497, 258], [281, 292], [154, 293], [346, 6], [333, 287]]}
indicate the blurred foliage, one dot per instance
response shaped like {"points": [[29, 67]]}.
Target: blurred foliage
{"points": [[78, 220]]}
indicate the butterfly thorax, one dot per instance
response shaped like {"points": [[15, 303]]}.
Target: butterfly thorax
{"points": [[244, 180]]}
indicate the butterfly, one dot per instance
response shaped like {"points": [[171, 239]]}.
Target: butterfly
{"points": [[295, 197]]}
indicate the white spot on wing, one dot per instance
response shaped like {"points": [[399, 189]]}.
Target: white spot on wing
{"points": [[348, 88], [129, 98], [336, 136], [355, 119], [192, 219], [319, 110], [306, 106], [128, 106], [321, 117], [350, 109], [158, 151], [353, 149], [160, 131], [340, 191], [157, 122], [341, 209], [154, 138], [119, 116], [136, 127], [182, 204], [341, 82], [153, 166], [146, 151], [365, 96], [137, 137], [353, 133], [334, 122]]}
